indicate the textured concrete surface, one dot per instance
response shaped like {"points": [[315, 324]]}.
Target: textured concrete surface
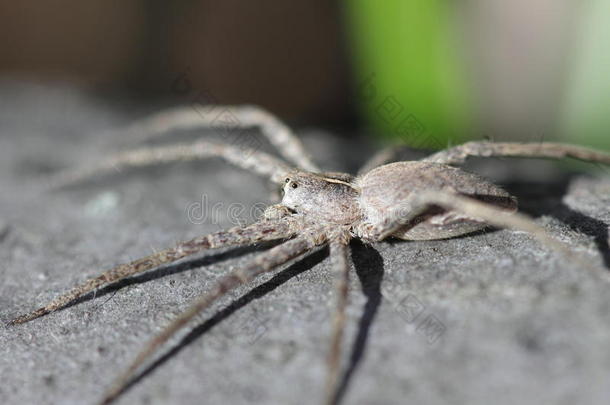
{"points": [[489, 318]]}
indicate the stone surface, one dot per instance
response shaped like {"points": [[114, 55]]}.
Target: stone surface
{"points": [[489, 318]]}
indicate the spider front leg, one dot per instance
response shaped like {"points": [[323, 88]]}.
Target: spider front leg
{"points": [[262, 263], [258, 232], [227, 117], [550, 150], [490, 214], [340, 266], [247, 159]]}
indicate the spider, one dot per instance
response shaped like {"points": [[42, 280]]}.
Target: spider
{"points": [[426, 199]]}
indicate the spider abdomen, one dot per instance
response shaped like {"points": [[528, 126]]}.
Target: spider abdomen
{"points": [[386, 189]]}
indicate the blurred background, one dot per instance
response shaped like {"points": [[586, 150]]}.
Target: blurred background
{"points": [[424, 73]]}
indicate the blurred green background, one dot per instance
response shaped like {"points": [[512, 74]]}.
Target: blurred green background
{"points": [[426, 73], [519, 70], [412, 83]]}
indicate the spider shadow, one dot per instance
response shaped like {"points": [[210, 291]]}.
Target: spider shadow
{"points": [[545, 198], [260, 291], [369, 269]]}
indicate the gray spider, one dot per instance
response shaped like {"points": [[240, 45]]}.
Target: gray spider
{"points": [[410, 200]]}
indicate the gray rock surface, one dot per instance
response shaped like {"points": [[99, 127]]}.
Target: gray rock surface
{"points": [[489, 318]]}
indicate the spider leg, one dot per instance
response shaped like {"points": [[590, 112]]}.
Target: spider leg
{"points": [[262, 263], [340, 266], [387, 155], [247, 159], [260, 231], [488, 213], [459, 154], [381, 157], [227, 117]]}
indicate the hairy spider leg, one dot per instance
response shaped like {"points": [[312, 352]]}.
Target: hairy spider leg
{"points": [[248, 159], [257, 232], [340, 266], [550, 150], [494, 216], [264, 262], [237, 117], [459, 154], [380, 158]]}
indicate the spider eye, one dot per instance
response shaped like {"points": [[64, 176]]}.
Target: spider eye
{"points": [[294, 185], [287, 180]]}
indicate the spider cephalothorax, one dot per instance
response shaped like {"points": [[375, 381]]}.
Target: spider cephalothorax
{"points": [[324, 198], [426, 199]]}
